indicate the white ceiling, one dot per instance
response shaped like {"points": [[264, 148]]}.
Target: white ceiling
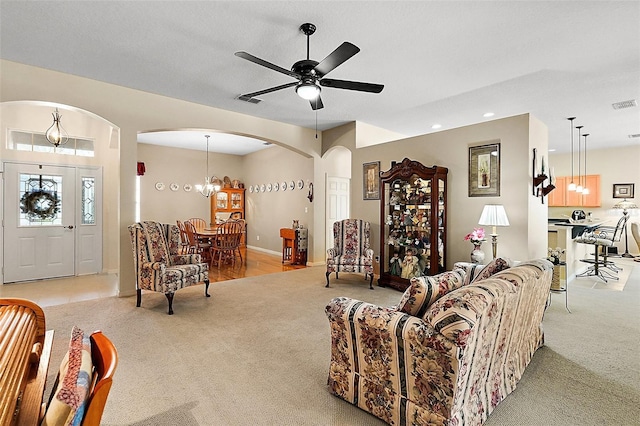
{"points": [[223, 143], [442, 62]]}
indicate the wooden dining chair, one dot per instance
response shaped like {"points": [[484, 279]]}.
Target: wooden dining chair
{"points": [[227, 242], [198, 222], [202, 247], [184, 239]]}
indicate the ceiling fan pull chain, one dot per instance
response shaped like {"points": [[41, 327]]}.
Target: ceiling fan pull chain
{"points": [[316, 118]]}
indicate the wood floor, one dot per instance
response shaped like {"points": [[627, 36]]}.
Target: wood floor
{"points": [[254, 263], [87, 287]]}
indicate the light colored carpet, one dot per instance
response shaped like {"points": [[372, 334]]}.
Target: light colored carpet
{"points": [[257, 353]]}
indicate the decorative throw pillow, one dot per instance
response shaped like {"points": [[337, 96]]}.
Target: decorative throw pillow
{"points": [[423, 291], [68, 403], [496, 265]]}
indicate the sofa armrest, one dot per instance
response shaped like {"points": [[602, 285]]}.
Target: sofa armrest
{"points": [[455, 315], [331, 253], [390, 350]]}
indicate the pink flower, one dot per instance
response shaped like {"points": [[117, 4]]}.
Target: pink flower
{"points": [[476, 237]]}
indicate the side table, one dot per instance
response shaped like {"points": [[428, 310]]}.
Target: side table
{"points": [[556, 283], [294, 245]]}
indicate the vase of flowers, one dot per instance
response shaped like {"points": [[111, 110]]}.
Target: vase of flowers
{"points": [[476, 238], [553, 256]]}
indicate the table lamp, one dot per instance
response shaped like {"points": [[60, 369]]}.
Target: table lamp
{"points": [[494, 215], [626, 205]]}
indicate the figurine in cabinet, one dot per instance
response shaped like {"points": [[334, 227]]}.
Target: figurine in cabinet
{"points": [[394, 264], [410, 266]]}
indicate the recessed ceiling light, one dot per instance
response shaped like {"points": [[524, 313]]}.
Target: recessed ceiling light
{"points": [[488, 114], [436, 126]]}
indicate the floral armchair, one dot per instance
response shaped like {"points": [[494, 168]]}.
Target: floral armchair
{"points": [[158, 264], [351, 251]]}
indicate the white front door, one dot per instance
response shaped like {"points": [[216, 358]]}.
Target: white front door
{"points": [[39, 222], [337, 204]]}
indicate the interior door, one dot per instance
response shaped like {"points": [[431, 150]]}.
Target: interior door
{"points": [[337, 204], [39, 222]]}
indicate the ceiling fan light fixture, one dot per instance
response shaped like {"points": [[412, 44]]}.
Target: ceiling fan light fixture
{"points": [[308, 89]]}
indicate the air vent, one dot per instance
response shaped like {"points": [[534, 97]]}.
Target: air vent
{"points": [[248, 99], [637, 135], [625, 104]]}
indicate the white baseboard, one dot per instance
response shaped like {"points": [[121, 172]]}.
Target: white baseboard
{"points": [[264, 250]]}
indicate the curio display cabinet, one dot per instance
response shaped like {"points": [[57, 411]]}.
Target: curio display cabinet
{"points": [[413, 222]]}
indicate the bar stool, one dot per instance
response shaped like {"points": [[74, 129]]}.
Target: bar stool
{"points": [[602, 238]]}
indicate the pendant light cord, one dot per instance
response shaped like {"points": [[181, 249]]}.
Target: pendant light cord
{"points": [[571, 127]]}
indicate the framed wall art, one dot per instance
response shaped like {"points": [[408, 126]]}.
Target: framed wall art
{"points": [[623, 190], [371, 181], [484, 170]]}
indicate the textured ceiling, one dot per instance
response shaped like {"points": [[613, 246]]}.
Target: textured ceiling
{"points": [[442, 62]]}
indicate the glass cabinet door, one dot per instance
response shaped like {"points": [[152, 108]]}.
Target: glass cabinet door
{"points": [[236, 200], [408, 227], [222, 201]]}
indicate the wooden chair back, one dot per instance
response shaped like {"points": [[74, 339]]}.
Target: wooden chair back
{"points": [[105, 361], [198, 222], [227, 240], [184, 238]]}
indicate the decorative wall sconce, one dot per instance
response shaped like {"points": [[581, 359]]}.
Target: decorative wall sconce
{"points": [[539, 189]]}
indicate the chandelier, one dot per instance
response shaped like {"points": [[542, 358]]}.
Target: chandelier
{"points": [[208, 188], [55, 134]]}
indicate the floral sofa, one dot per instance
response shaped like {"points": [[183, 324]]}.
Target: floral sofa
{"points": [[453, 348]]}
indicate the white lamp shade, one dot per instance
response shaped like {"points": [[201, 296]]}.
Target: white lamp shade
{"points": [[494, 215], [625, 205]]}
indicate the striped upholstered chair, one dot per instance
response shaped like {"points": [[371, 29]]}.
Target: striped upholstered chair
{"points": [[351, 251], [159, 265]]}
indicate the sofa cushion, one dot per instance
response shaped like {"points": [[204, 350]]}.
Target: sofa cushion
{"points": [[423, 291], [475, 272], [68, 403]]}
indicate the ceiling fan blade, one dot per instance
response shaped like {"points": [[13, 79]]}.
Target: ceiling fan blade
{"points": [[248, 96], [351, 85], [335, 58], [316, 103], [256, 60]]}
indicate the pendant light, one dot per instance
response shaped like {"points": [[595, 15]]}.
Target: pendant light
{"points": [[585, 190], [572, 185], [55, 134], [579, 188], [207, 189]]}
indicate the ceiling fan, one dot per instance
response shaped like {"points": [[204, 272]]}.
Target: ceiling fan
{"points": [[310, 74]]}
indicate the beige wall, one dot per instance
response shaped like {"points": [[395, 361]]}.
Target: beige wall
{"points": [[181, 166], [267, 212], [526, 238], [614, 165]]}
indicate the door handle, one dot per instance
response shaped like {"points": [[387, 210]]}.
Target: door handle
{"points": [[69, 227]]}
